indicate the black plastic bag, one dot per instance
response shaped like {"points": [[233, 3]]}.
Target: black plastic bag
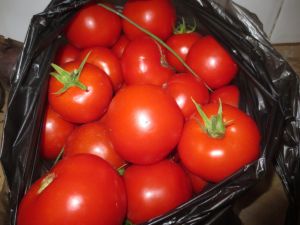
{"points": [[269, 90]]}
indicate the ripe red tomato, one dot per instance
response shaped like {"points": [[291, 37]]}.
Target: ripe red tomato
{"points": [[54, 134], [120, 46], [143, 62], [229, 94], [105, 60], [157, 16], [82, 189], [93, 138], [65, 54], [145, 123], [184, 86], [77, 105], [94, 26], [181, 44], [212, 62], [155, 189], [198, 184], [215, 158]]}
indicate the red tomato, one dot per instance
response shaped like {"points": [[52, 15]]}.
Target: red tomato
{"points": [[105, 60], [184, 86], [120, 46], [157, 16], [143, 62], [65, 54], [145, 123], [211, 62], [82, 189], [93, 138], [54, 134], [198, 184], [215, 158], [155, 189], [181, 44], [94, 26], [228, 94], [77, 105]]}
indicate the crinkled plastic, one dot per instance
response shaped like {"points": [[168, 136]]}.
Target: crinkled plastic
{"points": [[269, 89]]}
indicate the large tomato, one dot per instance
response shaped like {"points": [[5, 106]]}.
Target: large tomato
{"points": [[107, 61], [229, 94], [93, 138], [94, 26], [214, 150], [212, 62], [157, 16], [182, 87], [155, 189], [143, 62], [181, 43], [54, 134], [75, 104], [145, 123], [82, 189]]}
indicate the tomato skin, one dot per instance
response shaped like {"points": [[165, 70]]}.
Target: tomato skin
{"points": [[120, 46], [198, 184], [93, 138], [184, 86], [214, 159], [66, 53], [142, 63], [181, 44], [145, 123], [105, 60], [157, 16], [229, 94], [155, 189], [79, 106], [85, 190], [211, 62], [93, 26], [54, 134]]}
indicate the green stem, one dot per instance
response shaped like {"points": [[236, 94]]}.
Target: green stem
{"points": [[154, 37]]}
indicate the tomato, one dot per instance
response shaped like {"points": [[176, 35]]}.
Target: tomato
{"points": [[143, 62], [82, 189], [198, 184], [77, 105], [93, 26], [214, 153], [54, 134], [155, 189], [212, 62], [181, 44], [145, 123], [105, 60], [183, 87], [229, 94], [157, 16], [66, 53], [120, 46], [93, 138]]}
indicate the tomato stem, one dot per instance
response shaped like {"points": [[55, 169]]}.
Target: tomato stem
{"points": [[46, 182], [155, 38], [182, 28], [59, 156], [69, 79], [213, 126]]}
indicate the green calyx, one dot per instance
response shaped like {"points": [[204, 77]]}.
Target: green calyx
{"points": [[183, 28], [69, 79], [46, 182], [213, 126]]}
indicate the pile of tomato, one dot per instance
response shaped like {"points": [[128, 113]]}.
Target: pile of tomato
{"points": [[138, 129]]}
